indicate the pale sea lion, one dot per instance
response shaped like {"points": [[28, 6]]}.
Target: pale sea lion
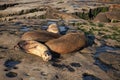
{"points": [[53, 28], [36, 48], [41, 36], [67, 43]]}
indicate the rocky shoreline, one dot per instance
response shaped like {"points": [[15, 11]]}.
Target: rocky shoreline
{"points": [[100, 60]]}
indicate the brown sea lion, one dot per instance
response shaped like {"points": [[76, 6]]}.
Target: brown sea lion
{"points": [[41, 36], [53, 28], [67, 43], [36, 48]]}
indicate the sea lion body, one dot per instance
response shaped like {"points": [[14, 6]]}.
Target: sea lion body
{"points": [[36, 48], [67, 43], [41, 36]]}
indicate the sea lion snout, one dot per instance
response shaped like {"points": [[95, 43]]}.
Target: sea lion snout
{"points": [[47, 56]]}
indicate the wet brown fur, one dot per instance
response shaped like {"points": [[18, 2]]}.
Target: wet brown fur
{"points": [[67, 43], [41, 36]]}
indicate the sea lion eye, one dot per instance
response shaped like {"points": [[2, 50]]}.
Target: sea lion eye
{"points": [[46, 55]]}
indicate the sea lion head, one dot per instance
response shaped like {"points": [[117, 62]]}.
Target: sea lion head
{"points": [[53, 28], [46, 56]]}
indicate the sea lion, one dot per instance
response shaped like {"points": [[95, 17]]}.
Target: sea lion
{"points": [[41, 36], [53, 28], [36, 48], [67, 43]]}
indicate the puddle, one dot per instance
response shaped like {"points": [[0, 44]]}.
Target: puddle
{"points": [[101, 65], [24, 29], [103, 49], [11, 74], [63, 66], [51, 22], [44, 27], [63, 29], [17, 23], [89, 77], [11, 63]]}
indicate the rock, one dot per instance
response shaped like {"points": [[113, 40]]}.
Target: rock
{"points": [[101, 17], [114, 74], [36, 48], [41, 36], [111, 59], [112, 43], [67, 43], [108, 16], [53, 28], [114, 7], [8, 40], [97, 42], [113, 15], [88, 50]]}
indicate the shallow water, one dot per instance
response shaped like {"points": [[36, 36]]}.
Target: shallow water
{"points": [[11, 63], [24, 29], [100, 50], [89, 77], [103, 49]]}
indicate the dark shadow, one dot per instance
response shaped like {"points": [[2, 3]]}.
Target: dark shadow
{"points": [[11, 74], [90, 39], [74, 64], [5, 6], [89, 77], [55, 57], [101, 65], [63, 66]]}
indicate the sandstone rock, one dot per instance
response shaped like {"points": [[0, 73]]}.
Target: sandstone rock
{"points": [[33, 47], [101, 17], [8, 40], [112, 43], [67, 43], [108, 16], [41, 36], [113, 62], [53, 28], [113, 15], [98, 43], [88, 50], [114, 74], [111, 59], [114, 7]]}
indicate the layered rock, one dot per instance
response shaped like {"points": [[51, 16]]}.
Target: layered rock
{"points": [[108, 16], [114, 7]]}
